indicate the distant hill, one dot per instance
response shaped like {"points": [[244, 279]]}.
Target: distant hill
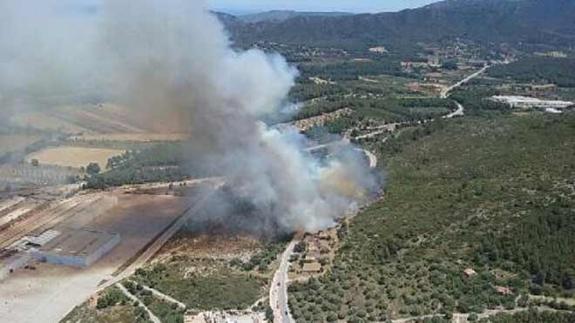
{"points": [[283, 15], [541, 22]]}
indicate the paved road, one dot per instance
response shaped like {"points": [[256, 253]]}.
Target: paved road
{"points": [[445, 93], [460, 112], [278, 290]]}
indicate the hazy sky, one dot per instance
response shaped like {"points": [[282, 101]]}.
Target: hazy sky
{"points": [[239, 6]]}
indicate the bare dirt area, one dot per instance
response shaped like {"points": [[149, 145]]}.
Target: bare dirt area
{"points": [[93, 119], [45, 121], [75, 157], [306, 124], [102, 118], [132, 137], [11, 143], [210, 246], [48, 292], [236, 316]]}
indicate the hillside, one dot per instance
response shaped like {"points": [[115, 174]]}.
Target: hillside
{"points": [[283, 15], [535, 22], [471, 205]]}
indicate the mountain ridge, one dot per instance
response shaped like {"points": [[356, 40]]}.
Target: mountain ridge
{"points": [[282, 15], [490, 21]]}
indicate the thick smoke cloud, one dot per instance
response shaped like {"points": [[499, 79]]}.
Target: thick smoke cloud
{"points": [[171, 60], [46, 53]]}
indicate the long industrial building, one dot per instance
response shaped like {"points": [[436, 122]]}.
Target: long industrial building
{"points": [[77, 248], [524, 102]]}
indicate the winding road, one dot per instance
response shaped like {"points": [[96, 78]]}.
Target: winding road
{"points": [[445, 93], [460, 112]]}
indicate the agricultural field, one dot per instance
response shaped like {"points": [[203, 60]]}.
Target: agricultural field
{"points": [[18, 142], [82, 119], [130, 137], [75, 157], [477, 212]]}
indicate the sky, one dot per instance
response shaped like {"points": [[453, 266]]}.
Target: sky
{"points": [[250, 6]]}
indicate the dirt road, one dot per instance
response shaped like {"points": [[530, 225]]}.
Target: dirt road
{"points": [[133, 298], [372, 158], [164, 297]]}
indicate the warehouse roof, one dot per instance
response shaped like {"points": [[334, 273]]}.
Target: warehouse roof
{"points": [[77, 242], [43, 238]]}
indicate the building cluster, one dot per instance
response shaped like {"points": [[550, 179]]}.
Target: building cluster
{"points": [[378, 50], [524, 102], [317, 253]]}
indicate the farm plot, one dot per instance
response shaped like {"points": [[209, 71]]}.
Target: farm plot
{"points": [[12, 143], [131, 137], [75, 157]]}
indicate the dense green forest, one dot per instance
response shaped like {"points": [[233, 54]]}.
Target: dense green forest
{"points": [[159, 163], [476, 100], [538, 69]]}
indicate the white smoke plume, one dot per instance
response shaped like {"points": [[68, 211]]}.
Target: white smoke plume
{"points": [[172, 60], [45, 52]]}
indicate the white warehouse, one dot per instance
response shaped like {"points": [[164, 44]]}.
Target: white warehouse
{"points": [[77, 248], [524, 102]]}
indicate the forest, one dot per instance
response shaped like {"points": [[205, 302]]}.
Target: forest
{"points": [[558, 71]]}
